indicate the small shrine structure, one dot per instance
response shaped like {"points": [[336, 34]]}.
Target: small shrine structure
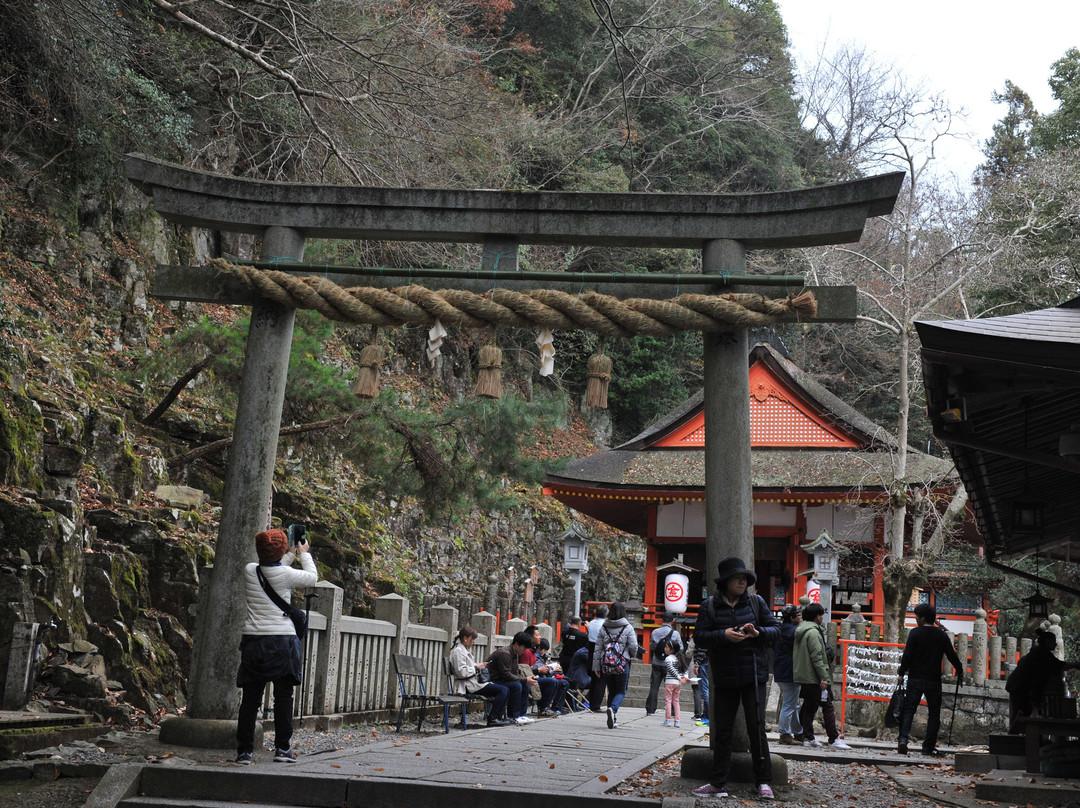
{"points": [[817, 465]]}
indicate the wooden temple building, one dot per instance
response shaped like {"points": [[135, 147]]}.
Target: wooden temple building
{"points": [[817, 465]]}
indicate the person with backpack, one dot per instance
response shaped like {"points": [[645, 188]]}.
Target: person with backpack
{"points": [[737, 628], [784, 676], [616, 645], [660, 638]]}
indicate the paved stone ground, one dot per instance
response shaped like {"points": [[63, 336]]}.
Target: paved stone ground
{"points": [[576, 753]]}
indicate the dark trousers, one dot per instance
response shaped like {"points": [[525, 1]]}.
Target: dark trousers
{"points": [[552, 692], [917, 690], [497, 692], [811, 700], [249, 711], [517, 698], [725, 705], [656, 679], [596, 694], [616, 684]]}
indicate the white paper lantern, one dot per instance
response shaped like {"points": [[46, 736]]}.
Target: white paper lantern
{"points": [[676, 592]]}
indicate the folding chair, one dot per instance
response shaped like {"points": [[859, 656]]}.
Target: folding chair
{"points": [[410, 674]]}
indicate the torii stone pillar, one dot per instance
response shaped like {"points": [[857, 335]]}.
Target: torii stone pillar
{"points": [[245, 508], [729, 526]]}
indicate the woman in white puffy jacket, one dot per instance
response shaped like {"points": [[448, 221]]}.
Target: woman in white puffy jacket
{"points": [[269, 647]]}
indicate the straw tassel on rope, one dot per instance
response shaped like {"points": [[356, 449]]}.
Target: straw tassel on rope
{"points": [[489, 376], [371, 358], [599, 372]]}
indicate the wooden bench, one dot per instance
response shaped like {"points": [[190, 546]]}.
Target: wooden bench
{"points": [[486, 700], [411, 684], [1035, 727]]}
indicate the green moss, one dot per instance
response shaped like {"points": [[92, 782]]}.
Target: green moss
{"points": [[20, 442]]}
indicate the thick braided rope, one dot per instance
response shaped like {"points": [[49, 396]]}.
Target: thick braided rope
{"points": [[537, 308]]}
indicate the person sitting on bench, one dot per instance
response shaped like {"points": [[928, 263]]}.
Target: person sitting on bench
{"points": [[1037, 674], [466, 672]]}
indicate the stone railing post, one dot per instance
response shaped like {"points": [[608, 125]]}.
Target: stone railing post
{"points": [[514, 625], [994, 652], [978, 648], [445, 616], [1010, 654], [394, 609], [484, 623], [547, 632], [1055, 629], [324, 676]]}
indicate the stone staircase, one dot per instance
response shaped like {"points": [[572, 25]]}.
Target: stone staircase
{"points": [[25, 732]]}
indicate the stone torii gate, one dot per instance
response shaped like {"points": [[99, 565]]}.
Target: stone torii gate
{"points": [[723, 227]]}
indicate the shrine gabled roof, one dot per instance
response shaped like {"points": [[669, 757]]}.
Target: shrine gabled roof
{"points": [[778, 377], [779, 469], [829, 445]]}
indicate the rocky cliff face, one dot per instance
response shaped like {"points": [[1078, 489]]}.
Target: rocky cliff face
{"points": [[96, 538]]}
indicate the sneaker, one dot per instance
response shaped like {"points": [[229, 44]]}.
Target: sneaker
{"points": [[709, 790], [787, 739], [244, 759], [695, 717], [902, 747], [812, 744], [765, 792], [284, 756], [702, 722], [499, 722], [610, 718], [524, 719], [934, 753], [677, 724], [667, 723], [549, 713], [838, 744]]}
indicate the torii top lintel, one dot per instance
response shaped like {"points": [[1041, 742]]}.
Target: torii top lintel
{"points": [[831, 214]]}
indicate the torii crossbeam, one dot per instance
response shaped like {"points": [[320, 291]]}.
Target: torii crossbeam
{"points": [[723, 227]]}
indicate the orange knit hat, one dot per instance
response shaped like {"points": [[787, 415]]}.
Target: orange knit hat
{"points": [[270, 545]]}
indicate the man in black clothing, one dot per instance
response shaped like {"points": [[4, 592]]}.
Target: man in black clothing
{"points": [[573, 638], [664, 634], [921, 661]]}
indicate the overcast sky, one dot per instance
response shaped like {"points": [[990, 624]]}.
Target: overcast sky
{"points": [[962, 48]]}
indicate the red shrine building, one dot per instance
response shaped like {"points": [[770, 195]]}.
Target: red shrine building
{"points": [[817, 465]]}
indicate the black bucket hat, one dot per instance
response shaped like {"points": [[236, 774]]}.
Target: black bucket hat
{"points": [[733, 566]]}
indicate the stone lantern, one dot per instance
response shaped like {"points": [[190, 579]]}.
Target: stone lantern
{"points": [[576, 558], [824, 554]]}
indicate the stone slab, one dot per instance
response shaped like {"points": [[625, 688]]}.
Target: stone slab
{"points": [[203, 733], [1008, 786]]}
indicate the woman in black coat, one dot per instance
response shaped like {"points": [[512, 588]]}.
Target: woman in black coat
{"points": [[737, 628]]}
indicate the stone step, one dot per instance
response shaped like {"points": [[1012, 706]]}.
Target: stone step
{"points": [[285, 787], [27, 733]]}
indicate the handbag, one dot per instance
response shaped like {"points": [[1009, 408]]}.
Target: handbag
{"points": [[483, 675], [297, 616], [895, 708]]}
